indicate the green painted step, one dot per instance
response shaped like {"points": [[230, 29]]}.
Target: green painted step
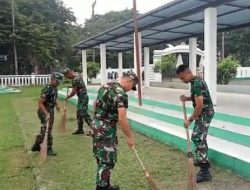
{"points": [[219, 116], [213, 131]]}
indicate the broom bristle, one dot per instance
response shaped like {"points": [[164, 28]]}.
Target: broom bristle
{"points": [[44, 148], [191, 176], [62, 123], [151, 183]]}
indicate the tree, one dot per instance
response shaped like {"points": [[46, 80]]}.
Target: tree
{"points": [[6, 45], [100, 23], [166, 66], [45, 31], [237, 43], [227, 70]]}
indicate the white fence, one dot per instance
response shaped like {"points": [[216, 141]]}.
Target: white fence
{"points": [[243, 72], [24, 80]]}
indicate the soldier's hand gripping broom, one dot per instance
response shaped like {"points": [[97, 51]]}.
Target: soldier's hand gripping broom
{"points": [[191, 175]]}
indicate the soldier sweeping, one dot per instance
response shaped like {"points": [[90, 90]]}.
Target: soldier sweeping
{"points": [[46, 105], [110, 108], [203, 114], [79, 88]]}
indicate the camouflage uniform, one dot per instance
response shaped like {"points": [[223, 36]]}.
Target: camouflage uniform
{"points": [[82, 104], [110, 97], [199, 135], [49, 94]]}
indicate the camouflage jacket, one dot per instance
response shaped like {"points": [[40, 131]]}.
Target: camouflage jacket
{"points": [[49, 94], [81, 90], [199, 88], [110, 97]]}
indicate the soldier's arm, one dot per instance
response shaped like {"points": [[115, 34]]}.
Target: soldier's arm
{"points": [[198, 107], [41, 105], [72, 93], [123, 121]]}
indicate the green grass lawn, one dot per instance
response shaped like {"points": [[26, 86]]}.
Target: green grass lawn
{"points": [[74, 168]]}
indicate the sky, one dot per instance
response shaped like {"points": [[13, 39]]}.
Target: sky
{"points": [[83, 9]]}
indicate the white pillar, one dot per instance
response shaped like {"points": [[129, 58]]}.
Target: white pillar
{"points": [[120, 63], [192, 55], [210, 62], [146, 66], [103, 64], [84, 67]]}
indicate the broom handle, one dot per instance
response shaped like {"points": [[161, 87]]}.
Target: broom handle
{"points": [[187, 131], [138, 158], [66, 101]]}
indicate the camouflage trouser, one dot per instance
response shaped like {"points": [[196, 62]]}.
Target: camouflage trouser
{"points": [[199, 135], [40, 136], [82, 113], [105, 150]]}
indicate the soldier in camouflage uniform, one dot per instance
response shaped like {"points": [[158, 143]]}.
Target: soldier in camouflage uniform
{"points": [[79, 88], [45, 112], [110, 108], [203, 115]]}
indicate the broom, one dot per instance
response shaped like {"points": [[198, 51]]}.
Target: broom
{"points": [[44, 145], [151, 182], [62, 123], [191, 176]]}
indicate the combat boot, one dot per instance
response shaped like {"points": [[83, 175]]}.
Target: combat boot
{"points": [[78, 132], [203, 175], [113, 187], [198, 163], [36, 147], [108, 188], [51, 152]]}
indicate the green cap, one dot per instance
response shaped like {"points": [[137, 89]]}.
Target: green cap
{"points": [[66, 70], [133, 76], [57, 76]]}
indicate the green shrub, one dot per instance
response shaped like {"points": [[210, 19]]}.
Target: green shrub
{"points": [[227, 70], [166, 66]]}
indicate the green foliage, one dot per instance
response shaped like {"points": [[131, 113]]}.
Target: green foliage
{"points": [[93, 69], [237, 43], [45, 31], [101, 23], [166, 66], [227, 70]]}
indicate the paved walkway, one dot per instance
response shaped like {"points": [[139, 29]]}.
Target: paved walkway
{"points": [[233, 104], [228, 103]]}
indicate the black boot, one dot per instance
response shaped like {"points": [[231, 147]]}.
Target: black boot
{"points": [[51, 152], [36, 147], [107, 188], [78, 132], [113, 187], [204, 175], [199, 163]]}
